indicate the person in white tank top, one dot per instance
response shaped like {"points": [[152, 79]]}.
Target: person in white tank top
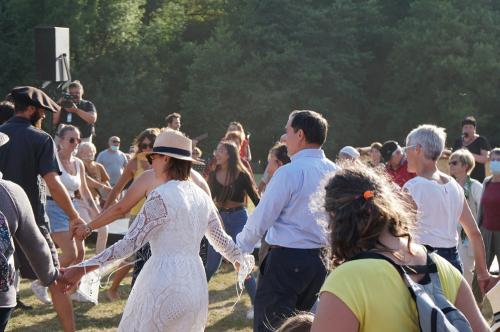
{"points": [[440, 202], [73, 179]]}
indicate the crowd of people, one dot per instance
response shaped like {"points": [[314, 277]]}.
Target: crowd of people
{"points": [[334, 238]]}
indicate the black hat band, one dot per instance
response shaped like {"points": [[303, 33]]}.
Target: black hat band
{"points": [[166, 149]]}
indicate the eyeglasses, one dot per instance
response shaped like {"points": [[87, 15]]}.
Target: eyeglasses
{"points": [[144, 146], [406, 148], [151, 157], [453, 163], [72, 140]]}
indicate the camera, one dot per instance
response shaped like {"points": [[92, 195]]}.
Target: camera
{"points": [[67, 100]]}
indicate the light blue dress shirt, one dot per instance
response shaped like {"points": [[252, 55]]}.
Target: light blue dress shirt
{"points": [[284, 210]]}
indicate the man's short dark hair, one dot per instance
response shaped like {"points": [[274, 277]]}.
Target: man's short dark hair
{"points": [[6, 111], [313, 124], [169, 118], [470, 120]]}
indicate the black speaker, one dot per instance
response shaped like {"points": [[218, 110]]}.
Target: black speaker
{"points": [[52, 53]]}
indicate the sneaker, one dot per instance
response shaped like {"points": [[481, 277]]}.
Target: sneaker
{"points": [[250, 314], [40, 292]]}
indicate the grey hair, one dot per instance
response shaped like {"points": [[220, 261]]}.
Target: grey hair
{"points": [[87, 145], [430, 137]]}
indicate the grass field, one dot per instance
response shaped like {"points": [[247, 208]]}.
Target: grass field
{"points": [[106, 315]]}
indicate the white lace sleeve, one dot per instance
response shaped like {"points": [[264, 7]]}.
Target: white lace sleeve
{"points": [[223, 244], [152, 215]]}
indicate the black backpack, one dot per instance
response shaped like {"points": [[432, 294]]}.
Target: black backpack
{"points": [[435, 312]]}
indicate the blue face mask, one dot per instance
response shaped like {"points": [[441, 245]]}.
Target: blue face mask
{"points": [[115, 147], [495, 167]]}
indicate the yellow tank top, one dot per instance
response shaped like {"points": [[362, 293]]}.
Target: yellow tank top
{"points": [[138, 171]]}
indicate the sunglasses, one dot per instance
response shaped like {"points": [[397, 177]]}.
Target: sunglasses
{"points": [[144, 146], [72, 140], [115, 142], [151, 157], [453, 163]]}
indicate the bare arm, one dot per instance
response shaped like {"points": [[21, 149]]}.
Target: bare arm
{"points": [[481, 158], [127, 175], [466, 303], [333, 315], [61, 197], [89, 117], [200, 181], [470, 227], [56, 118], [138, 190], [84, 189]]}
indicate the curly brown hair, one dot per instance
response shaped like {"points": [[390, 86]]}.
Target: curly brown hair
{"points": [[356, 220]]}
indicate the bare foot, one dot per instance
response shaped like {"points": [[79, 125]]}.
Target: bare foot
{"points": [[112, 295]]}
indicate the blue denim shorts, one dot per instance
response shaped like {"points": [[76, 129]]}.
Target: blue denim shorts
{"points": [[59, 221]]}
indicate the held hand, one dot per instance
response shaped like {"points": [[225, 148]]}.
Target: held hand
{"points": [[491, 283], [73, 109], [483, 282], [70, 277], [75, 223], [80, 232]]}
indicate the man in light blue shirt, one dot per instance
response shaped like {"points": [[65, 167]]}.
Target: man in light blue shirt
{"points": [[293, 272]]}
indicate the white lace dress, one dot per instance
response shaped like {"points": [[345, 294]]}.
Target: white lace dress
{"points": [[171, 293]]}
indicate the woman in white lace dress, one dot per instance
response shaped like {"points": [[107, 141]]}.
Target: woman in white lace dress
{"points": [[171, 293]]}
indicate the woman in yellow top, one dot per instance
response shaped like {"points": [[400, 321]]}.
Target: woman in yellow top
{"points": [[367, 213], [143, 143]]}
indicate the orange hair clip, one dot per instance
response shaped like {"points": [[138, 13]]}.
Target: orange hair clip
{"points": [[368, 194]]}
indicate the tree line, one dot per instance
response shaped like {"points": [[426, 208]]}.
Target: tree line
{"points": [[374, 68]]}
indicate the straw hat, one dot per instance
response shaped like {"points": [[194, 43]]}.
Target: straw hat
{"points": [[3, 139], [174, 144]]}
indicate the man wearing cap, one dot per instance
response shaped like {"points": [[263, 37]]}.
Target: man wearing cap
{"points": [[82, 113], [395, 163], [29, 155]]}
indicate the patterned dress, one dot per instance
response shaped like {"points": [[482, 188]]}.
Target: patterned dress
{"points": [[171, 293]]}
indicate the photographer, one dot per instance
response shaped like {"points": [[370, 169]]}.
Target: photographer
{"points": [[476, 144], [77, 111]]}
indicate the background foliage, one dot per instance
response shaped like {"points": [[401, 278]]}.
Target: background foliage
{"points": [[374, 68]]}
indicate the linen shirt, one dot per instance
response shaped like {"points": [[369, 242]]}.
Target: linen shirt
{"points": [[285, 210]]}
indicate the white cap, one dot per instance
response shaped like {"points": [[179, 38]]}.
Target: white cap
{"points": [[350, 151]]}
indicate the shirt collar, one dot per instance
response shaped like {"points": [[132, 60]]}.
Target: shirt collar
{"points": [[304, 153]]}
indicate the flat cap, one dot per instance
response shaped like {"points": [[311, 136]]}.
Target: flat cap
{"points": [[388, 148], [29, 95]]}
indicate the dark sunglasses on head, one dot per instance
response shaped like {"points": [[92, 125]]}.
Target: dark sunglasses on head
{"points": [[72, 140], [144, 146], [453, 163]]}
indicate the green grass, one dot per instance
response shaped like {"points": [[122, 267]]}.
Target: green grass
{"points": [[106, 315]]}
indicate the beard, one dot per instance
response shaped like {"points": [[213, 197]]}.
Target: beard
{"points": [[35, 118]]}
